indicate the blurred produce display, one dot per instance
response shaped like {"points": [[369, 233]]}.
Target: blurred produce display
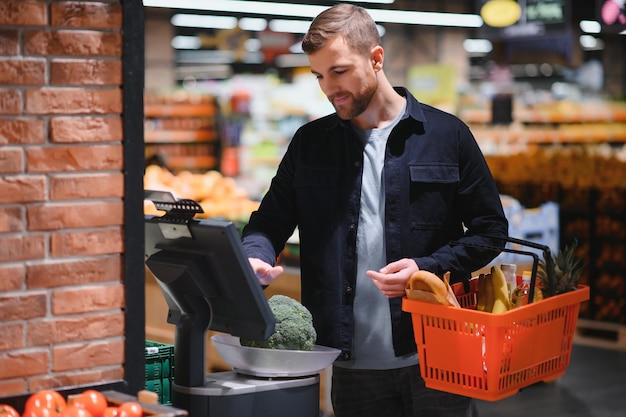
{"points": [[572, 166], [592, 211], [218, 195]]}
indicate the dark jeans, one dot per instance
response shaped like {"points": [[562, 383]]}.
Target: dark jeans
{"points": [[393, 393]]}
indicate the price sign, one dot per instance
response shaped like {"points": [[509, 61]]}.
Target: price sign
{"points": [[545, 11]]}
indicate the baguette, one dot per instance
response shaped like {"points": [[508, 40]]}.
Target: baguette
{"points": [[427, 281], [428, 287]]}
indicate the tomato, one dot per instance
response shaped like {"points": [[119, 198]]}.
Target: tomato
{"points": [[111, 412], [93, 401], [46, 399], [40, 412], [130, 409], [75, 410], [8, 411]]}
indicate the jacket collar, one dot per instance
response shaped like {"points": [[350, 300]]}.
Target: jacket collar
{"points": [[413, 108]]}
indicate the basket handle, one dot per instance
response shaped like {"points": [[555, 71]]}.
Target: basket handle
{"points": [[533, 278]]}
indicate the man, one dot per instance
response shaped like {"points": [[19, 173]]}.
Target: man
{"points": [[377, 190]]}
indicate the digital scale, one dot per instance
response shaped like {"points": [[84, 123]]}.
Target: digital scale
{"points": [[208, 284]]}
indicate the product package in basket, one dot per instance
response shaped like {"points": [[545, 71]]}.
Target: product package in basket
{"points": [[492, 356]]}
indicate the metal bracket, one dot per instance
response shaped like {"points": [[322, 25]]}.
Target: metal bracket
{"points": [[178, 213]]}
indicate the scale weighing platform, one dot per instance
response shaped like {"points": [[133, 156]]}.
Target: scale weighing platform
{"points": [[208, 284]]}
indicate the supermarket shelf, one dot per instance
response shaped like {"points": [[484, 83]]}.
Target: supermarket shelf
{"points": [[179, 136], [179, 110], [563, 134], [190, 162], [556, 114], [601, 334], [181, 130]]}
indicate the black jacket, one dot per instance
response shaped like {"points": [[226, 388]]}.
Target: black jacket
{"points": [[438, 188]]}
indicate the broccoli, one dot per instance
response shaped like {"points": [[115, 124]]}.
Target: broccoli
{"points": [[294, 326]]}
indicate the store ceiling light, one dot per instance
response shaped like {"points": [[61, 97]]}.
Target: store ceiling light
{"points": [[426, 18], [477, 46], [289, 26], [253, 24], [204, 21], [239, 6], [186, 42], [500, 13], [591, 43], [590, 26], [308, 11]]}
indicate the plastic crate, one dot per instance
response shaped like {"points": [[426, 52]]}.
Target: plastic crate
{"points": [[492, 356], [159, 369], [539, 225]]}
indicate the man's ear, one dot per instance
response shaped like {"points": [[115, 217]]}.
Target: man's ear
{"points": [[377, 57]]}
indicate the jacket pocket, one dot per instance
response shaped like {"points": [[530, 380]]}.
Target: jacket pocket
{"points": [[317, 197], [432, 193]]}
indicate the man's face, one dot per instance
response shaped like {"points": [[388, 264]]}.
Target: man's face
{"points": [[347, 78]]}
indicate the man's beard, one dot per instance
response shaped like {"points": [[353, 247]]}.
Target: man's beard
{"points": [[358, 103]]}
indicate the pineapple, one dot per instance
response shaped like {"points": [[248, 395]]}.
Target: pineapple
{"points": [[559, 273]]}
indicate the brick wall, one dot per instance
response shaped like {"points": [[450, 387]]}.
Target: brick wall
{"points": [[61, 189]]}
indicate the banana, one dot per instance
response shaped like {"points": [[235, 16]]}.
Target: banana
{"points": [[501, 302], [481, 293], [489, 294]]}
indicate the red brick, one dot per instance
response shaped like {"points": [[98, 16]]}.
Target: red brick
{"points": [[57, 216], [73, 43], [72, 101], [8, 42], [88, 299], [22, 188], [11, 160], [22, 307], [10, 102], [22, 131], [10, 388], [86, 15], [57, 274], [20, 364], [74, 379], [86, 186], [11, 222], [87, 355], [23, 72], [23, 13], [78, 329], [99, 242], [11, 277], [12, 336], [75, 158], [85, 72], [86, 129], [21, 248]]}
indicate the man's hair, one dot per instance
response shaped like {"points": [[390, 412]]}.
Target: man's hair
{"points": [[352, 22]]}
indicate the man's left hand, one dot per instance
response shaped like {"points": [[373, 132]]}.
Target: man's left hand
{"points": [[391, 279]]}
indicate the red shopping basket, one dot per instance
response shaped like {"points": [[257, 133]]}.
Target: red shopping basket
{"points": [[492, 356]]}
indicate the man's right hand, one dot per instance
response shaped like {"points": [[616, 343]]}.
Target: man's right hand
{"points": [[265, 272]]}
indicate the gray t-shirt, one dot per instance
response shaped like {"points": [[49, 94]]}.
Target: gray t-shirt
{"points": [[372, 343]]}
